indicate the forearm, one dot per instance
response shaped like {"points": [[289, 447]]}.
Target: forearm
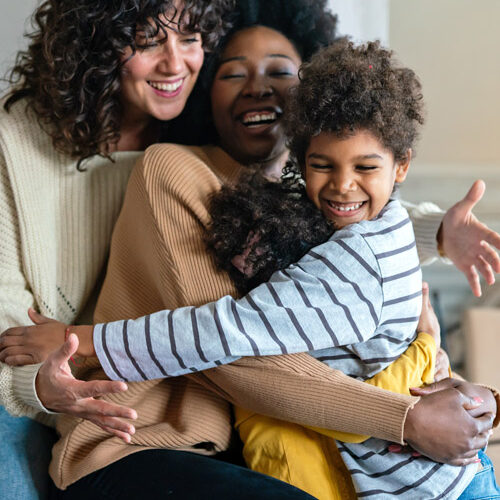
{"points": [[298, 388]]}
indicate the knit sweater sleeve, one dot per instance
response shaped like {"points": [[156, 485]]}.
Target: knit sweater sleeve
{"points": [[426, 218], [17, 391]]}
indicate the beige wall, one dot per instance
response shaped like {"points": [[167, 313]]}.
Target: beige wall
{"points": [[454, 45]]}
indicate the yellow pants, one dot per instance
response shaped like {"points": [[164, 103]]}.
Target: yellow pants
{"points": [[308, 458]]}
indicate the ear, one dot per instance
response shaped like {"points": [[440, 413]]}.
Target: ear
{"points": [[402, 167]]}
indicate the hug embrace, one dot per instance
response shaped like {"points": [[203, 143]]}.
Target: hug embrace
{"points": [[321, 354]]}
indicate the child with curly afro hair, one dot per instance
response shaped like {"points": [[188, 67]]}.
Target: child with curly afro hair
{"points": [[352, 124]]}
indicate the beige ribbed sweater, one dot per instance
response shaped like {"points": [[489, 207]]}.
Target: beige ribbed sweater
{"points": [[55, 227], [158, 260]]}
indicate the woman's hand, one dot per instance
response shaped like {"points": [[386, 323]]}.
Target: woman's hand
{"points": [[428, 322], [24, 345], [451, 422], [468, 242], [59, 391]]}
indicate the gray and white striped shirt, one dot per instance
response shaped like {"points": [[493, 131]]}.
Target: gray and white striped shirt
{"points": [[352, 302]]}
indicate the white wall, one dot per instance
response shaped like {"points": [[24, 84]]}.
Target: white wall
{"points": [[13, 23], [363, 19]]}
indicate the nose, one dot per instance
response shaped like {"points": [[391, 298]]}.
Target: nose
{"points": [[258, 86], [170, 58], [342, 182]]}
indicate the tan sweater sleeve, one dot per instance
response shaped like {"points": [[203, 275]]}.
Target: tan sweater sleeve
{"points": [[176, 186]]}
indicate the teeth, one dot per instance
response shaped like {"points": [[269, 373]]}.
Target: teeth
{"points": [[260, 117], [166, 87], [344, 208]]}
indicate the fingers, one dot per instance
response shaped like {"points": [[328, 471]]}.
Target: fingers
{"points": [[447, 383], [485, 269], [38, 318], [10, 340], [484, 424], [122, 435], [462, 462], [490, 255], [14, 351], [13, 332], [473, 279], [19, 360], [96, 388]]}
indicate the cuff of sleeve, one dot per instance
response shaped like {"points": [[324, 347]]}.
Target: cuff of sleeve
{"points": [[427, 218], [24, 388]]}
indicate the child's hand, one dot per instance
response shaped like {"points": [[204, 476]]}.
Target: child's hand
{"points": [[428, 322], [26, 345], [442, 370]]}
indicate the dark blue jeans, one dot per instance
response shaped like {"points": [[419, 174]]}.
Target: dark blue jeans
{"points": [[152, 474], [483, 486]]}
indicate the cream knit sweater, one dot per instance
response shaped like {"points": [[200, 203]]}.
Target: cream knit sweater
{"points": [[55, 227]]}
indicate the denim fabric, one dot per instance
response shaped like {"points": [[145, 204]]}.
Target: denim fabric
{"points": [[483, 486], [25, 447], [177, 475]]}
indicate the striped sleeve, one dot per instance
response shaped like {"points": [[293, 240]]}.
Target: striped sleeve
{"points": [[332, 297]]}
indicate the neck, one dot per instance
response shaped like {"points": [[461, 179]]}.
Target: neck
{"points": [[272, 167], [137, 133]]}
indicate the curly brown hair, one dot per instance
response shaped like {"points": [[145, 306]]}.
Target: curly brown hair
{"points": [[71, 70], [346, 88]]}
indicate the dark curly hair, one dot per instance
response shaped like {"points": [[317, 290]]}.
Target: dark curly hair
{"points": [[345, 88], [71, 69], [285, 221], [308, 24]]}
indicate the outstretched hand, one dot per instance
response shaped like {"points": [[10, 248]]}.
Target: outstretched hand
{"points": [[59, 391], [469, 243]]}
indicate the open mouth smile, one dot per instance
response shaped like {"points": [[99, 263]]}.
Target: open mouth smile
{"points": [[167, 89], [339, 210], [257, 118], [345, 207]]}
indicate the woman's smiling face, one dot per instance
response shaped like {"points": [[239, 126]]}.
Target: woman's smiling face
{"points": [[256, 70], [157, 80]]}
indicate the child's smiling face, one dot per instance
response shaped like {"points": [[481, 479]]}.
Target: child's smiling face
{"points": [[351, 178]]}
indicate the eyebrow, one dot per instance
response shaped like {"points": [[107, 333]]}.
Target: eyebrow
{"points": [[243, 58], [360, 157]]}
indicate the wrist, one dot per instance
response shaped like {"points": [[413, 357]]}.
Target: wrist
{"points": [[439, 242], [85, 340]]}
